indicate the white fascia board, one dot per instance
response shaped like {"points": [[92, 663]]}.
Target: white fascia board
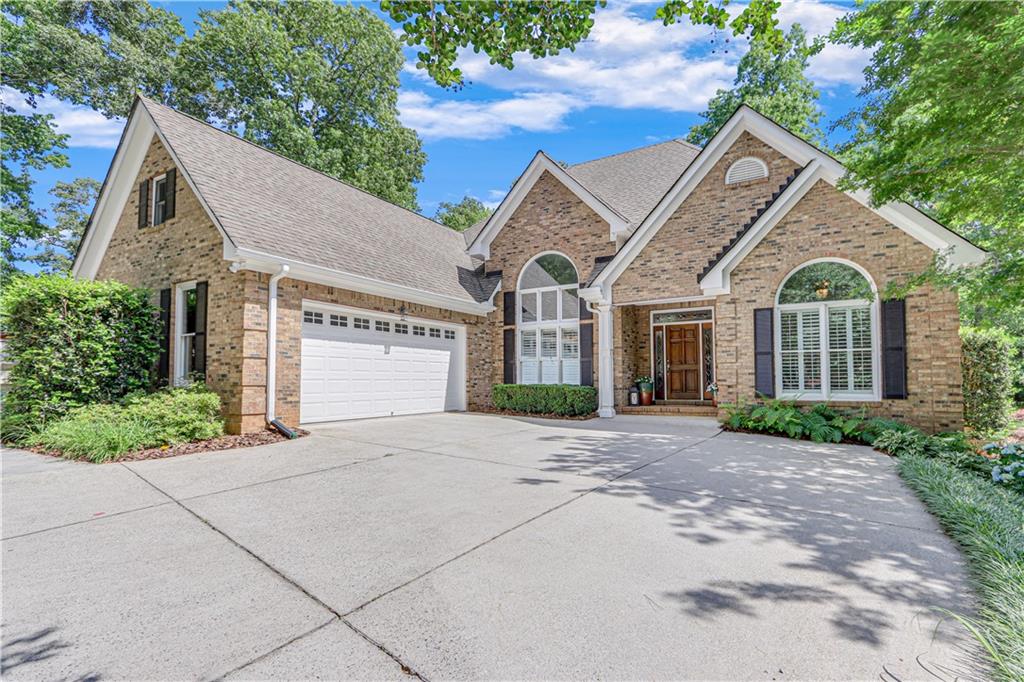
{"points": [[907, 218], [120, 183], [248, 259], [118, 186], [541, 162]]}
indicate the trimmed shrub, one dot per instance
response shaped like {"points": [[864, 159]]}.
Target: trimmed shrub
{"points": [[561, 399], [73, 342], [988, 378], [102, 432]]}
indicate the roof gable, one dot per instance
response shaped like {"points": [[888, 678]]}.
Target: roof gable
{"points": [[825, 167], [541, 163]]}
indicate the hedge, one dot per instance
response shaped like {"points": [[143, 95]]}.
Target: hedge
{"points": [[73, 342], [560, 399], [987, 377]]}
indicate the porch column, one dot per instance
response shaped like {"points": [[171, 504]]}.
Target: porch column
{"points": [[606, 361]]}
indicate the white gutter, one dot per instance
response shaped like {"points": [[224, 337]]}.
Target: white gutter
{"points": [[272, 344]]}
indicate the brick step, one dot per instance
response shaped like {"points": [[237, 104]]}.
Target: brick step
{"points": [[671, 410]]}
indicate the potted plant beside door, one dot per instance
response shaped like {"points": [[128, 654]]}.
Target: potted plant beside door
{"points": [[646, 386]]}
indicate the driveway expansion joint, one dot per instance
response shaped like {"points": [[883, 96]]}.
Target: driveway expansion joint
{"points": [[408, 670]]}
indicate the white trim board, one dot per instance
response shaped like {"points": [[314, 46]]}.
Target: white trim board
{"points": [[541, 162], [745, 119]]}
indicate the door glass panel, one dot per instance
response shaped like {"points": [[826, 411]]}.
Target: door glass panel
{"points": [[659, 364]]}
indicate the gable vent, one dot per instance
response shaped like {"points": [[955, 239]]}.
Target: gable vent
{"points": [[748, 168]]}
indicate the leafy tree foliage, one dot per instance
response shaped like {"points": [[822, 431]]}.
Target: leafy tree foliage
{"points": [[73, 202], [770, 78], [80, 51], [942, 126], [462, 215], [540, 28], [312, 80]]}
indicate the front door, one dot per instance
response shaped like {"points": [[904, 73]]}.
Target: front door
{"points": [[683, 366]]}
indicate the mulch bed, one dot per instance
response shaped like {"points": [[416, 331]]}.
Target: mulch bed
{"points": [[538, 415], [245, 440]]}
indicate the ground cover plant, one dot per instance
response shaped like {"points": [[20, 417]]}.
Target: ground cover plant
{"points": [[977, 494], [102, 432]]}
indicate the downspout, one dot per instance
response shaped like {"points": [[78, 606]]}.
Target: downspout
{"points": [[272, 354]]}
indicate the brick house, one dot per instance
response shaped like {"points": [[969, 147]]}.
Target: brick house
{"points": [[724, 272]]}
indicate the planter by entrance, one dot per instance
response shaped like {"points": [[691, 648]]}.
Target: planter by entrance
{"points": [[646, 386]]}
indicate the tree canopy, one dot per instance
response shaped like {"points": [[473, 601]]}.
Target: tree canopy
{"points": [[541, 28], [71, 207], [771, 79], [941, 125], [462, 215]]}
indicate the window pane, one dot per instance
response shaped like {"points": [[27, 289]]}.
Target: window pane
{"points": [[570, 343], [682, 316], [570, 304], [861, 324], [838, 328], [548, 343], [547, 271], [790, 371], [839, 370], [190, 312], [528, 307], [788, 331], [825, 281], [812, 371], [549, 305], [528, 344], [810, 330], [862, 370]]}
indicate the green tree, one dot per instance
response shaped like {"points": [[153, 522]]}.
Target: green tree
{"points": [[314, 81], [462, 215], [73, 202], [84, 52], [942, 126], [770, 78], [541, 28]]}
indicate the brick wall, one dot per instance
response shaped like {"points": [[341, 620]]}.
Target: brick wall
{"points": [[550, 218], [711, 215], [187, 247], [827, 223]]}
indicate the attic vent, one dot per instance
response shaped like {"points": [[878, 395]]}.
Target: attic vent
{"points": [[748, 168]]}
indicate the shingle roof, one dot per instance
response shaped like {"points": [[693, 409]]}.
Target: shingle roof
{"points": [[633, 182], [268, 203]]}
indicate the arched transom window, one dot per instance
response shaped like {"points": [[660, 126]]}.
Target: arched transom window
{"points": [[548, 321], [826, 334]]}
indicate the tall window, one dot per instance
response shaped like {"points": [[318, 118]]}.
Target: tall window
{"points": [[548, 321], [826, 326], [186, 328], [160, 200]]}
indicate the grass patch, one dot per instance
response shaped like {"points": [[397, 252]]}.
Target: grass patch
{"points": [[988, 523], [100, 433]]}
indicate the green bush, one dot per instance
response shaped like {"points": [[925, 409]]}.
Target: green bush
{"points": [[104, 431], [821, 423], [72, 343], [988, 523], [988, 378], [560, 399]]}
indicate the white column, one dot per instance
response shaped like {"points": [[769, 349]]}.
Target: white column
{"points": [[606, 361]]}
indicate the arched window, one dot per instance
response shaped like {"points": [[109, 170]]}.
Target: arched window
{"points": [[747, 168], [548, 321], [826, 333]]}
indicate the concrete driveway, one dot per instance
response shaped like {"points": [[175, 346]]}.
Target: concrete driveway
{"points": [[461, 546]]}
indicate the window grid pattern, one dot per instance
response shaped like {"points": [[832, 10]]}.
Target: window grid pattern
{"points": [[360, 323], [312, 317], [548, 321], [339, 321]]}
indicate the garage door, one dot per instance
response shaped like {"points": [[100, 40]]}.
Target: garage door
{"points": [[358, 365]]}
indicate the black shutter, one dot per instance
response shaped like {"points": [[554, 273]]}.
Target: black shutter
{"points": [[585, 313], [172, 177], [764, 340], [894, 349], [510, 356], [144, 203], [587, 354], [509, 305], [199, 342], [163, 363]]}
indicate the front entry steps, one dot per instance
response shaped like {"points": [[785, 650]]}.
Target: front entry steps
{"points": [[693, 409]]}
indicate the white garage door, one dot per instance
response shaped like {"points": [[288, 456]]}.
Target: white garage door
{"points": [[359, 365]]}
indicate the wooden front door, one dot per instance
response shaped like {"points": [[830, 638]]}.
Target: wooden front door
{"points": [[683, 362]]}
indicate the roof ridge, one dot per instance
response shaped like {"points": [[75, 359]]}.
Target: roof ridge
{"points": [[636, 149], [147, 100]]}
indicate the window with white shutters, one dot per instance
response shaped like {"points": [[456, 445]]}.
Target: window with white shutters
{"points": [[826, 334], [548, 321]]}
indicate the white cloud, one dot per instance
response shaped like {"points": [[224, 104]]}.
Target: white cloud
{"points": [[835, 64], [480, 120], [86, 127]]}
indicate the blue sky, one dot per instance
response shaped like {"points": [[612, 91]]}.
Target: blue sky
{"points": [[631, 83]]}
